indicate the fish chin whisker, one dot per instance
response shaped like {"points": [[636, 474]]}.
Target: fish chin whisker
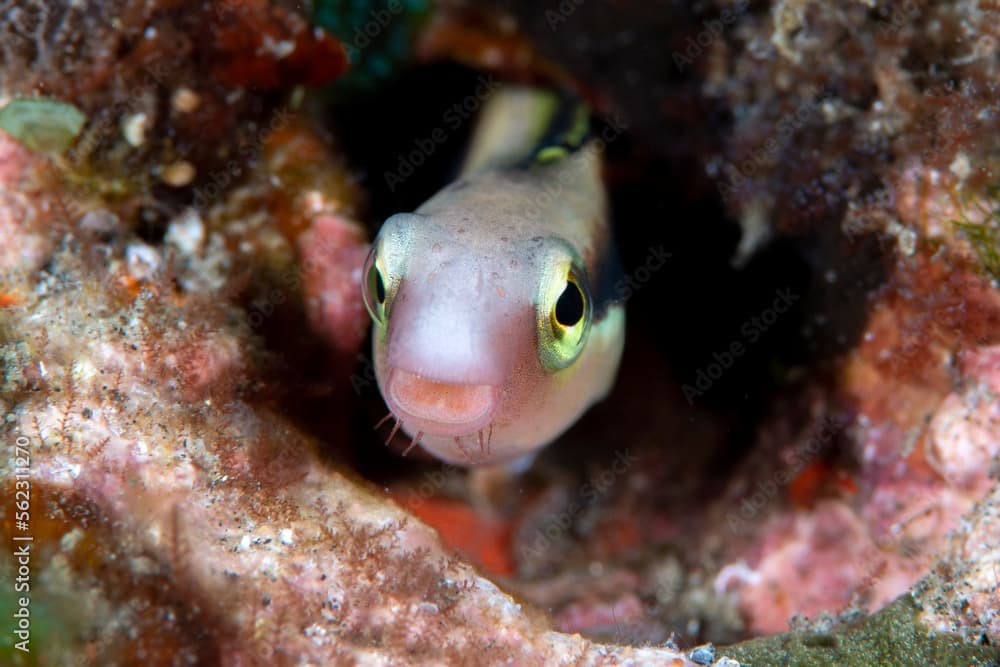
{"points": [[483, 438], [414, 442], [458, 443], [394, 431], [378, 425]]}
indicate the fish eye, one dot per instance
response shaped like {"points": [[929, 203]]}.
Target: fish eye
{"points": [[373, 288], [566, 321]]}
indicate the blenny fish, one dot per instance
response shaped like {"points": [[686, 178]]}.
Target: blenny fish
{"points": [[496, 324]]}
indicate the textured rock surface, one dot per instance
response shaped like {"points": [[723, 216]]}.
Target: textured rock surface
{"points": [[180, 322], [175, 518]]}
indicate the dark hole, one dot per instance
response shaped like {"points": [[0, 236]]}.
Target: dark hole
{"points": [[569, 307], [419, 151], [820, 641]]}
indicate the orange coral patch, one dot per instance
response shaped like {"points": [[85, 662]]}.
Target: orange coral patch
{"points": [[483, 541], [7, 300]]}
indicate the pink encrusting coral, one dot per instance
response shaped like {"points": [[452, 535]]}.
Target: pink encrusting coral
{"points": [[333, 251], [25, 248], [921, 456], [867, 549], [14, 160]]}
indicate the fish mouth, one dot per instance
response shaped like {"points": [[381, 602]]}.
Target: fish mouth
{"points": [[440, 408]]}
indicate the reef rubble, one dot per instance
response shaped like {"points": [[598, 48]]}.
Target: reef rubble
{"points": [[182, 365]]}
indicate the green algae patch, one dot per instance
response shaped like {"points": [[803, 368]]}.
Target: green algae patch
{"points": [[985, 236], [891, 638], [42, 124]]}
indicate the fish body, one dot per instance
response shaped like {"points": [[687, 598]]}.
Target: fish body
{"points": [[493, 328]]}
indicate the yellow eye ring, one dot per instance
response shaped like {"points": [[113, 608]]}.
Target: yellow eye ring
{"points": [[565, 314], [374, 288]]}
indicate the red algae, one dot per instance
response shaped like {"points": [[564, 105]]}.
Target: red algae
{"points": [[264, 46], [484, 541]]}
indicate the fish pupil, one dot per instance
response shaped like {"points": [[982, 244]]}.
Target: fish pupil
{"points": [[569, 307], [379, 287]]}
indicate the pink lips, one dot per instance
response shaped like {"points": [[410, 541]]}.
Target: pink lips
{"points": [[440, 408]]}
